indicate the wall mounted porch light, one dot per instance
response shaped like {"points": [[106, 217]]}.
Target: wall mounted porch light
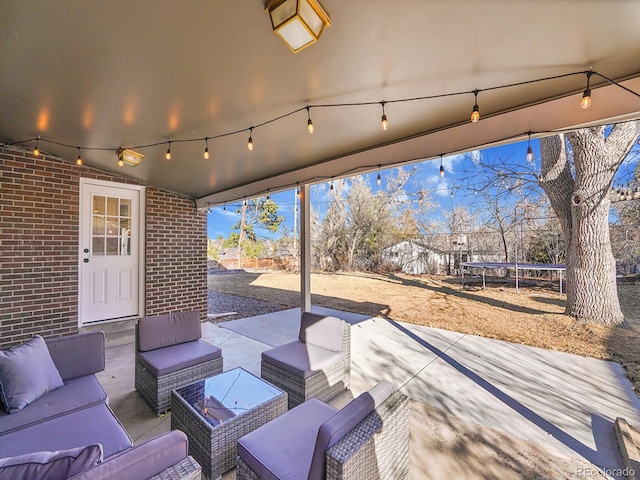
{"points": [[299, 23], [128, 157]]}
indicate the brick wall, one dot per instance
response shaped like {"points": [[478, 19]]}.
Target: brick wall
{"points": [[176, 254], [39, 215]]}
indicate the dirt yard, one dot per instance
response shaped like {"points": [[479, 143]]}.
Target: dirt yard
{"points": [[532, 317]]}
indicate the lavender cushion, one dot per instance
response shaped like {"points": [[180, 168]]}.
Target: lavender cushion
{"points": [[144, 461], [170, 329], [177, 357], [26, 373], [58, 465], [301, 359], [75, 394], [335, 428], [322, 331], [95, 424], [283, 448], [77, 355]]}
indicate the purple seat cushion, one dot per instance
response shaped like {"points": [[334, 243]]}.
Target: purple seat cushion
{"points": [[322, 331], [26, 373], [95, 424], [77, 355], [335, 428], [58, 465], [177, 357], [74, 394], [144, 461], [283, 448], [301, 359], [171, 329]]}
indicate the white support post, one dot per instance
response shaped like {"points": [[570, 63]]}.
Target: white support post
{"points": [[305, 249]]}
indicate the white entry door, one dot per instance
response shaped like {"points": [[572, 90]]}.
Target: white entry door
{"points": [[109, 257]]}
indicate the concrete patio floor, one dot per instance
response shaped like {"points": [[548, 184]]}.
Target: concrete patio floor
{"points": [[481, 408]]}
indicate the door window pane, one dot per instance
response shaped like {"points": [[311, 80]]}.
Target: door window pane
{"points": [[111, 226], [97, 246], [112, 246]]}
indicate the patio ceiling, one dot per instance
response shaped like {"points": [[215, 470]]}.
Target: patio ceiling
{"points": [[102, 74]]}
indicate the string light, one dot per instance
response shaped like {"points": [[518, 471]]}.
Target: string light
{"points": [[331, 187], [79, 159], [441, 167], [384, 124], [530, 156], [120, 161], [250, 141], [585, 103], [379, 180], [586, 96], [298, 189], [475, 113], [206, 148], [310, 128]]}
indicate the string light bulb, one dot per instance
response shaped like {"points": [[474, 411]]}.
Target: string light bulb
{"points": [[120, 160], [331, 187], [586, 96], [384, 124], [530, 156], [206, 148], [475, 113], [310, 127], [298, 189], [441, 168], [79, 159], [36, 152], [379, 179], [168, 154], [250, 141]]}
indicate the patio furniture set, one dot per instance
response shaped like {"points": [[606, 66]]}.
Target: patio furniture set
{"points": [[274, 427]]}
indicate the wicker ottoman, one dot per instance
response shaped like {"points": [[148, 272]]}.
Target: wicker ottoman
{"points": [[215, 412]]}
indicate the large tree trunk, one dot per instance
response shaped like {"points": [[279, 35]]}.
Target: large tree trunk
{"points": [[582, 207]]}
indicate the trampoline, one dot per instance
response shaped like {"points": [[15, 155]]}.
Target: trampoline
{"points": [[513, 266]]}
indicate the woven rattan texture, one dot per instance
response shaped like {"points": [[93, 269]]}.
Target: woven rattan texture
{"points": [[215, 446], [157, 390], [322, 385], [187, 469], [376, 449]]}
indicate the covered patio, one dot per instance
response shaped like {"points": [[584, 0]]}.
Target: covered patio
{"points": [[481, 408]]}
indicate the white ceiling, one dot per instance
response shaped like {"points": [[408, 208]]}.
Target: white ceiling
{"points": [[102, 74]]}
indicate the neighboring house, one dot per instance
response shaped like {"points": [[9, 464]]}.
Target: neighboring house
{"points": [[415, 258]]}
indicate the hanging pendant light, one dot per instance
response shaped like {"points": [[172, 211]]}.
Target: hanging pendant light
{"points": [[299, 23]]}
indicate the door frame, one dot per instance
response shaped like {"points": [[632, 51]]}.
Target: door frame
{"points": [[84, 184]]}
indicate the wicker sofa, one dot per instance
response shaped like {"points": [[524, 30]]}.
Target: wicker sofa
{"points": [[170, 354], [368, 439], [317, 365], [66, 428]]}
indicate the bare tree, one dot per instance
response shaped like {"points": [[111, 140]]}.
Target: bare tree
{"points": [[576, 174]]}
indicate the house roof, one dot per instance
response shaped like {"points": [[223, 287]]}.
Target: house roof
{"points": [[103, 75]]}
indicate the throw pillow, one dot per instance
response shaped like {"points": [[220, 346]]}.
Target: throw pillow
{"points": [[26, 373], [51, 465]]}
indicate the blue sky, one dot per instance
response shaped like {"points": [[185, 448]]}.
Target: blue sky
{"points": [[427, 176]]}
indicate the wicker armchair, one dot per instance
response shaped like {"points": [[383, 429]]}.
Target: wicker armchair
{"points": [[368, 439], [317, 365], [170, 355]]}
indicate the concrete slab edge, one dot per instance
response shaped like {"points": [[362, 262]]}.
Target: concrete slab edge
{"points": [[627, 443]]}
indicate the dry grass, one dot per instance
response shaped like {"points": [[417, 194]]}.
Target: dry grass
{"points": [[533, 317]]}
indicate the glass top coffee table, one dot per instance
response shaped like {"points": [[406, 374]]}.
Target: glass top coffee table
{"points": [[214, 413]]}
